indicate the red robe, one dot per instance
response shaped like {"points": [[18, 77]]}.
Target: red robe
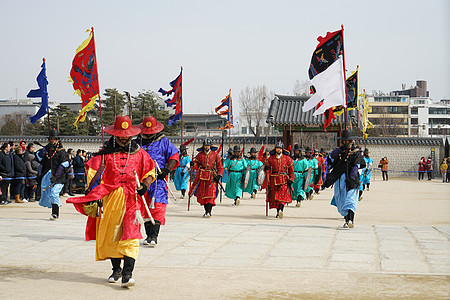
{"points": [[280, 171], [113, 179], [207, 165], [321, 164]]}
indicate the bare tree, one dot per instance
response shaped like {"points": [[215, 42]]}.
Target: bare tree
{"points": [[254, 103], [300, 89]]}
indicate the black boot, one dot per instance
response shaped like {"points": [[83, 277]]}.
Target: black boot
{"points": [[208, 209], [55, 212], [154, 232], [280, 211], [148, 230], [205, 215], [183, 192], [117, 270], [127, 272], [351, 217], [237, 201]]}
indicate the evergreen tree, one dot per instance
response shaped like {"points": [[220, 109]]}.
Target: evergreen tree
{"points": [[146, 104], [10, 128]]}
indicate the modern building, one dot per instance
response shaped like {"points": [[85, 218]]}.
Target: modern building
{"points": [[20, 110], [429, 119], [390, 114]]}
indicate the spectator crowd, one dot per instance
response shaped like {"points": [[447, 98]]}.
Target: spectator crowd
{"points": [[21, 173]]}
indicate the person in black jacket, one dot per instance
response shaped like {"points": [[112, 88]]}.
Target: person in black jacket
{"points": [[20, 172], [32, 167], [55, 164], [78, 169], [6, 169], [345, 161]]}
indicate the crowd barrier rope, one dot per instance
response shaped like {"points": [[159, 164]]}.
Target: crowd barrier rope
{"points": [[34, 177]]}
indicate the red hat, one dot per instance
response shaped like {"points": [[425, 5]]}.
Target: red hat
{"points": [[122, 127], [150, 125]]}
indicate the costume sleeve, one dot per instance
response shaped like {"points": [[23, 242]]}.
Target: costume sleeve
{"points": [[219, 165], [291, 169], [148, 166], [172, 153], [226, 163]]}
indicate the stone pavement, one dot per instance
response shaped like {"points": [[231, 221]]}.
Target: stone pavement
{"points": [[249, 250]]}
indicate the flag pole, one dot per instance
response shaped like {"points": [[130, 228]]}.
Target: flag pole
{"points": [[345, 78], [357, 105], [181, 99], [99, 97], [48, 108]]}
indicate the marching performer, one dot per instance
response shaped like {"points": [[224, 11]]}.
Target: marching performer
{"points": [[236, 167], [181, 178], [344, 175], [299, 165], [165, 155], [309, 174], [281, 177], [208, 165], [55, 165], [255, 164], [366, 174], [319, 171], [113, 202]]}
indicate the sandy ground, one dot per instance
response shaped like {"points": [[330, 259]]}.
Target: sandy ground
{"points": [[402, 202]]}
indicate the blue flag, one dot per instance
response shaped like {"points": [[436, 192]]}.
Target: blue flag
{"points": [[42, 93]]}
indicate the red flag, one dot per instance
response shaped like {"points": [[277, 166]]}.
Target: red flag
{"points": [[261, 152], [84, 76], [328, 114], [188, 142]]}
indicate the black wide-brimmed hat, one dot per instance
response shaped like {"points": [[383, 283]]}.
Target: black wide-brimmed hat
{"points": [[308, 150], [346, 135], [236, 148], [252, 150], [183, 147], [297, 147], [54, 134]]}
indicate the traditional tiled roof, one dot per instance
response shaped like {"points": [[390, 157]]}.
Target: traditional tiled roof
{"points": [[286, 110], [406, 141]]}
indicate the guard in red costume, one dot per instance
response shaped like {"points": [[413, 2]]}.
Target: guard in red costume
{"points": [[281, 176], [209, 170], [319, 171], [113, 202]]}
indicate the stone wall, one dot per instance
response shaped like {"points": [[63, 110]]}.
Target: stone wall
{"points": [[404, 158]]}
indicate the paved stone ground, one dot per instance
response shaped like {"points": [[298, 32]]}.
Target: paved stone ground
{"points": [[400, 252]]}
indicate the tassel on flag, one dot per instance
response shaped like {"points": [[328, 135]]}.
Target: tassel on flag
{"points": [[177, 99], [40, 93], [84, 76]]}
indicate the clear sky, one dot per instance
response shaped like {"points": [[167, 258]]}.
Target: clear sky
{"points": [[222, 45]]}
